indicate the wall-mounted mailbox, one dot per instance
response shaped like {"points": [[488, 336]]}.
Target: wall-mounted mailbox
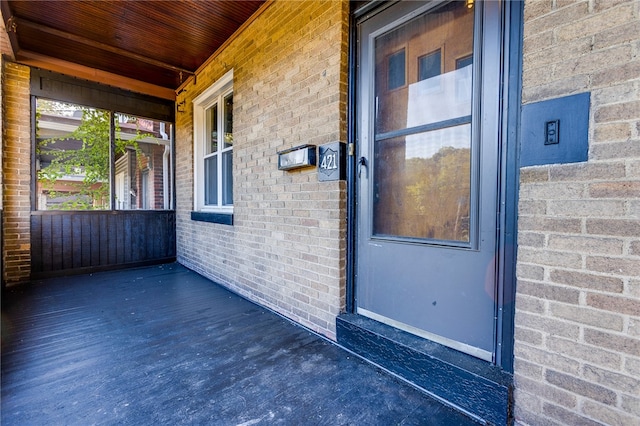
{"points": [[297, 157], [332, 162]]}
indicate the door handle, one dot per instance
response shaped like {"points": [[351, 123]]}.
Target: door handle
{"points": [[362, 162]]}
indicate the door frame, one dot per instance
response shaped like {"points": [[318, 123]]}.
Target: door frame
{"points": [[511, 66]]}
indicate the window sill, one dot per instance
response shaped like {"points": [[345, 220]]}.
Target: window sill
{"points": [[222, 218]]}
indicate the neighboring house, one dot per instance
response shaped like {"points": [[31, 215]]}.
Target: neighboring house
{"points": [[66, 189], [141, 171], [472, 220]]}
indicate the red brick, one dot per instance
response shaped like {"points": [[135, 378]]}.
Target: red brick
{"points": [[16, 161]]}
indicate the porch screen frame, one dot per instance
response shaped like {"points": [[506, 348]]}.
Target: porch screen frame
{"points": [[59, 87]]}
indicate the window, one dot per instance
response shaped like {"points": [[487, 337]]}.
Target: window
{"points": [[72, 156], [463, 78], [74, 150], [213, 148], [429, 65], [464, 62], [143, 162], [396, 70]]}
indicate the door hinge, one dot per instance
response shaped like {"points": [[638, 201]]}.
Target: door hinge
{"points": [[351, 149]]}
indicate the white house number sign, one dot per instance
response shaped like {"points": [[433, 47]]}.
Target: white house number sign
{"points": [[329, 161]]}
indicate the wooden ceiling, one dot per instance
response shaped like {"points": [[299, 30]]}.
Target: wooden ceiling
{"points": [[146, 46]]}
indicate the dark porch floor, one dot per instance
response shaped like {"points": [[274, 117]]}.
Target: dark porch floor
{"points": [[163, 345]]}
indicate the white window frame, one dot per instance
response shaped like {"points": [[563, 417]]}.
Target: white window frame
{"points": [[207, 99]]}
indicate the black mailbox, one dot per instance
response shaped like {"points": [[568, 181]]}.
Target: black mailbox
{"points": [[297, 157]]}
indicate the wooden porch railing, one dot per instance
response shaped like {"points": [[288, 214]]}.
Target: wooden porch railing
{"points": [[79, 242]]}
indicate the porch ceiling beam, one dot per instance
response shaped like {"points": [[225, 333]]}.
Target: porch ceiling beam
{"points": [[72, 69], [9, 27], [19, 22]]}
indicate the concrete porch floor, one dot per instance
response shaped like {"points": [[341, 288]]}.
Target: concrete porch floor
{"points": [[163, 345]]}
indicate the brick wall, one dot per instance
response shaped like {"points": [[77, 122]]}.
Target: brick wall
{"points": [[577, 351], [16, 172], [5, 44], [286, 249]]}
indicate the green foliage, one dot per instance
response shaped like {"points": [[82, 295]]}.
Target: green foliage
{"points": [[441, 195], [427, 197], [88, 161]]}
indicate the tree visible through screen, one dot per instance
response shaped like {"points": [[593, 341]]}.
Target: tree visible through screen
{"points": [[73, 155]]}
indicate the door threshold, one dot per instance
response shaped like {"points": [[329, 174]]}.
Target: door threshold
{"points": [[462, 347], [469, 384]]}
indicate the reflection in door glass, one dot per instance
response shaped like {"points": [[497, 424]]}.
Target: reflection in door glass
{"points": [[438, 47], [422, 185], [422, 153], [429, 65], [396, 70]]}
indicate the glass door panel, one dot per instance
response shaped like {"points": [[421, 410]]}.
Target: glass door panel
{"points": [[422, 152], [422, 185], [424, 70]]}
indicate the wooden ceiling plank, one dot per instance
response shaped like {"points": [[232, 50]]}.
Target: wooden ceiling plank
{"points": [[98, 45], [224, 45]]}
